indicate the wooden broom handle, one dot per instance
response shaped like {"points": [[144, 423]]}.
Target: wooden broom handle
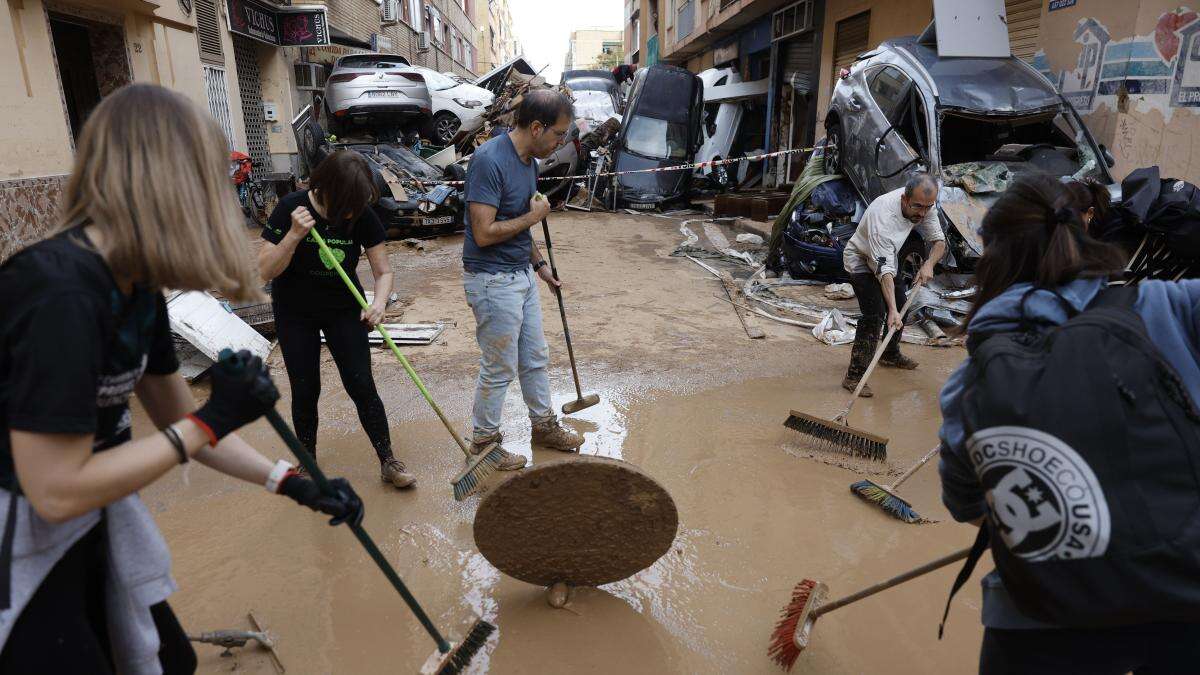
{"points": [[862, 381], [913, 469], [894, 581]]}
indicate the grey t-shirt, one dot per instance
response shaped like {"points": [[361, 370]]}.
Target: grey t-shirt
{"points": [[497, 177]]}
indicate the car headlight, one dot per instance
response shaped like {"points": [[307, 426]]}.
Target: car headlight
{"points": [[468, 104]]}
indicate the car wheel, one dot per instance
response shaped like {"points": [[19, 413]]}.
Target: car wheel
{"points": [[912, 256], [834, 155], [445, 127]]}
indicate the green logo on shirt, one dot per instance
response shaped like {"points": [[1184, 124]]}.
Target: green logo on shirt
{"points": [[332, 257]]}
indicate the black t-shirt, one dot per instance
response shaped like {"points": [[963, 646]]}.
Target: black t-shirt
{"points": [[309, 284], [72, 345]]}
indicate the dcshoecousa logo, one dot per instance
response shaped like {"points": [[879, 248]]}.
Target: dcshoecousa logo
{"points": [[1045, 501]]}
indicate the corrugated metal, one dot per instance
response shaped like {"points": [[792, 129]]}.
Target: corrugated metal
{"points": [[250, 87], [850, 39], [798, 57], [1024, 27], [218, 99], [208, 32]]}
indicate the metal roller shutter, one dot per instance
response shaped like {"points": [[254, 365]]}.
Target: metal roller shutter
{"points": [[1024, 27], [849, 40], [798, 63], [250, 88]]}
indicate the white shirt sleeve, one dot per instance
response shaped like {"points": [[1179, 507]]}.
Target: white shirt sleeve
{"points": [[880, 246], [930, 228]]}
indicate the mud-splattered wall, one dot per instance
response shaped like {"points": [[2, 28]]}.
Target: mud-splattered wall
{"points": [[1132, 69]]}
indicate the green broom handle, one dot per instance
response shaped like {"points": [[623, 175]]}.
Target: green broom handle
{"points": [[306, 460], [328, 255]]}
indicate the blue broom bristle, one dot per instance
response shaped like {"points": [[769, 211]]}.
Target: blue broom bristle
{"points": [[890, 503]]}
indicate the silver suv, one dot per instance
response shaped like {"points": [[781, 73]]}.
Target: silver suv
{"points": [[376, 89]]}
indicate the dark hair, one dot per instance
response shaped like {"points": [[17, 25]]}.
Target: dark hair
{"points": [[1033, 233], [1089, 194], [542, 105], [920, 179], [345, 185]]}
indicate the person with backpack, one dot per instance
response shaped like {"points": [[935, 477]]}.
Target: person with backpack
{"points": [[1071, 436], [311, 302], [84, 572]]}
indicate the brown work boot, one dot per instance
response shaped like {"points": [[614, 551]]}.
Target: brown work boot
{"points": [[898, 361], [851, 383], [556, 437], [393, 471], [508, 461]]}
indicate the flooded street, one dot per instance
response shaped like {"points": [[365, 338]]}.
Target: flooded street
{"points": [[688, 399]]}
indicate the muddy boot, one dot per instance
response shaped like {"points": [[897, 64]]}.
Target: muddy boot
{"points": [[897, 360], [554, 436], [393, 471], [851, 383], [509, 461]]}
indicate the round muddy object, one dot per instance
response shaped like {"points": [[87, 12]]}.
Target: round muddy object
{"points": [[586, 521]]}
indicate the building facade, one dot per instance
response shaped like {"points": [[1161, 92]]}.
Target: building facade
{"points": [[495, 41], [594, 48]]}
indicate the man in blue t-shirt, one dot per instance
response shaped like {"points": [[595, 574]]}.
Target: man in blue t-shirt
{"points": [[500, 264]]}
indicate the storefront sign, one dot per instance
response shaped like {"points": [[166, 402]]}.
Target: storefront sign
{"points": [[279, 26], [330, 53], [1061, 4]]}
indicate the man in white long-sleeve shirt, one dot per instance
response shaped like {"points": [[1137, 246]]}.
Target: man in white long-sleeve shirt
{"points": [[871, 259]]}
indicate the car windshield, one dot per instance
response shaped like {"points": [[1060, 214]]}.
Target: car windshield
{"points": [[591, 84], [657, 138], [435, 80], [372, 61], [593, 105]]}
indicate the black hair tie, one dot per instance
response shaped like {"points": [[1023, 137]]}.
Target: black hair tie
{"points": [[1063, 216]]}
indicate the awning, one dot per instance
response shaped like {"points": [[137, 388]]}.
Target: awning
{"points": [[340, 37]]}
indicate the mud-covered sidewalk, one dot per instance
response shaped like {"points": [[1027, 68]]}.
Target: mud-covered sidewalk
{"points": [[687, 398]]}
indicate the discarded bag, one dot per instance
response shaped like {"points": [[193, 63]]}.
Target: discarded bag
{"points": [[833, 329], [839, 292]]}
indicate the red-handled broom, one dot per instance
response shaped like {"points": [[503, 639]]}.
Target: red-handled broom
{"points": [[795, 625]]}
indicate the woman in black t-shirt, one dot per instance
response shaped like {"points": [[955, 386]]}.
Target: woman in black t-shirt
{"points": [[311, 300], [83, 326]]}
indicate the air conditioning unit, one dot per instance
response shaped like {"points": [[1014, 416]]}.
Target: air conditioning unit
{"points": [[310, 76], [389, 11], [423, 42]]}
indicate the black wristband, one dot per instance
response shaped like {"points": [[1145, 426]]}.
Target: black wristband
{"points": [[176, 441], [539, 265]]}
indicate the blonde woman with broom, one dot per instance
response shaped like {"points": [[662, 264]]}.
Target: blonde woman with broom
{"points": [[84, 572]]}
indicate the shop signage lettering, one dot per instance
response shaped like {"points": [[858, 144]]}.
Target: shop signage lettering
{"points": [[1061, 4], [279, 26]]}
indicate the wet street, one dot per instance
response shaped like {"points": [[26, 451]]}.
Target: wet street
{"points": [[688, 399]]}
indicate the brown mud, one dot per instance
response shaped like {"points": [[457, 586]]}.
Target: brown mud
{"points": [[688, 399]]}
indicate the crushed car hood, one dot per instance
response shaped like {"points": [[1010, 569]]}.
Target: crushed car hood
{"points": [[983, 85]]}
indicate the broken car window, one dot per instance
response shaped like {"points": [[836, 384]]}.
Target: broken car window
{"points": [[657, 139], [888, 87]]}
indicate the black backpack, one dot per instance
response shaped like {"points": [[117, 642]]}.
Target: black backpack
{"points": [[1088, 447]]}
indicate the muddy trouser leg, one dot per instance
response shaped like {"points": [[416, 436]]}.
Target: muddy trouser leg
{"points": [[533, 357], [346, 337], [300, 342], [497, 300], [874, 313], [893, 348]]}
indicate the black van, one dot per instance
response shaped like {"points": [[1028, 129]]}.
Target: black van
{"points": [[661, 128]]}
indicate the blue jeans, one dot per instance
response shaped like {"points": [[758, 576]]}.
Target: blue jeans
{"points": [[508, 318]]}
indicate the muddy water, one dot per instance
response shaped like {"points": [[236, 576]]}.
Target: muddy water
{"points": [[757, 514]]}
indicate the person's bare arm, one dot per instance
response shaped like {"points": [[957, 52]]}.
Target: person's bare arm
{"points": [[887, 284], [167, 399], [486, 230], [381, 269], [64, 479], [273, 259], [544, 272], [925, 274]]}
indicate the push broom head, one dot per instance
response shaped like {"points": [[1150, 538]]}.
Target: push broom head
{"points": [[459, 657], [579, 404], [795, 623], [833, 436], [478, 467], [888, 501]]}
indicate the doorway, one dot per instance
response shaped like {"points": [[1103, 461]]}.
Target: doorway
{"points": [[92, 63]]}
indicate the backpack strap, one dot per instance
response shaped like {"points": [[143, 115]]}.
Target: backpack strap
{"points": [[1116, 297], [6, 549], [977, 549]]}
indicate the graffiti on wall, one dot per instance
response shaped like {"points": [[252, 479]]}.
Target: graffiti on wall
{"points": [[1161, 68]]}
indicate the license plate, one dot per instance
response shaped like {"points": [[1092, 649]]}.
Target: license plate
{"points": [[384, 94], [442, 220], [641, 206]]}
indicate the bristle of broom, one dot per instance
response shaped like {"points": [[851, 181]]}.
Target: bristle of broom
{"points": [[480, 467], [833, 436], [459, 657], [890, 503], [783, 649]]}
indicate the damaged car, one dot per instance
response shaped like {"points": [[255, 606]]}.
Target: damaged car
{"points": [[976, 122], [661, 129], [413, 202], [375, 89]]}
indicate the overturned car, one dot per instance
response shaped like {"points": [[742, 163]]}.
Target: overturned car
{"points": [[975, 122]]}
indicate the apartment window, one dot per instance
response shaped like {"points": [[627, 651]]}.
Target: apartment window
{"points": [[446, 41], [468, 56], [455, 46]]}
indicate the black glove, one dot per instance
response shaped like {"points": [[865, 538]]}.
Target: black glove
{"points": [[345, 506], [242, 391]]}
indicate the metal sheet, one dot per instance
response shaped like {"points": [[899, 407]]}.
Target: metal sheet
{"points": [[584, 521], [207, 325], [966, 212], [971, 28]]}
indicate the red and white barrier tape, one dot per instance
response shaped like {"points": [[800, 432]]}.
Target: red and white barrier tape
{"points": [[682, 167]]}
